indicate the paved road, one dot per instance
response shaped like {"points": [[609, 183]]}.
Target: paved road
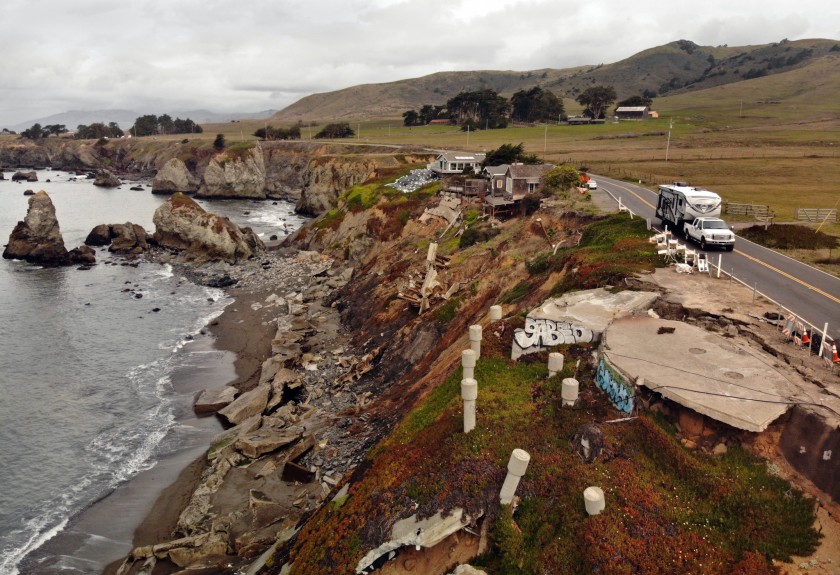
{"points": [[812, 294]]}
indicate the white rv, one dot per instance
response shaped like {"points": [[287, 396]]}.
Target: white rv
{"points": [[679, 203]]}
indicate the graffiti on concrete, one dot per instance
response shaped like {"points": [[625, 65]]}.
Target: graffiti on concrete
{"points": [[542, 333], [619, 391]]}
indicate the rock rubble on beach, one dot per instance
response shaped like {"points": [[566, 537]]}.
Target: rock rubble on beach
{"points": [[290, 441]]}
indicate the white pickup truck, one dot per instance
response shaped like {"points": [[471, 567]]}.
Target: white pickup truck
{"points": [[710, 232]]}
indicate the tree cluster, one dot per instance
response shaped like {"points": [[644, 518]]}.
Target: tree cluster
{"points": [[150, 125], [37, 131], [337, 130], [485, 109], [98, 130], [596, 101], [272, 133], [510, 154], [536, 105]]}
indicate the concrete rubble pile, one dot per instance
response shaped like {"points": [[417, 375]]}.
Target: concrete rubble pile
{"points": [[286, 448]]}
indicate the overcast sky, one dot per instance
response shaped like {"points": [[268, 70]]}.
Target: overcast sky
{"points": [[158, 56]]}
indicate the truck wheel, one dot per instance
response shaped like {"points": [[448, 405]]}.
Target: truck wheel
{"points": [[703, 243], [730, 248]]}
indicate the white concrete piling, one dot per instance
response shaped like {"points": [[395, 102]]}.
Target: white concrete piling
{"points": [[469, 393], [431, 255], [555, 363], [495, 312], [517, 466], [468, 360], [569, 391], [593, 500], [475, 340]]}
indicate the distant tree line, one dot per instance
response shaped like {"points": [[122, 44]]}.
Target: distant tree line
{"points": [[337, 130], [150, 125], [98, 130], [485, 109], [36, 132], [272, 133]]}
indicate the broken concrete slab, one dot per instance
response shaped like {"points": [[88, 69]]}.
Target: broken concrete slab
{"points": [[247, 405], [267, 439], [212, 400], [578, 317], [699, 370]]}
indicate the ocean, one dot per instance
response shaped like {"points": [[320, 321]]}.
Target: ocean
{"points": [[98, 370]]}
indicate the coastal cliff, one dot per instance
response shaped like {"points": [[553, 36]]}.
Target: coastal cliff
{"points": [[311, 174], [364, 418]]}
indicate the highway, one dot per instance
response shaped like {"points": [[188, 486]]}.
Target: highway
{"points": [[810, 293]]}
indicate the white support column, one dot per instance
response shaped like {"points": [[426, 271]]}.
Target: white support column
{"points": [[569, 390], [517, 465], [469, 393], [431, 254], [468, 359], [475, 340], [593, 500], [495, 312], [555, 363]]}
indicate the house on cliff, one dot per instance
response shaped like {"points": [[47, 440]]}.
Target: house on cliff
{"points": [[449, 163]]}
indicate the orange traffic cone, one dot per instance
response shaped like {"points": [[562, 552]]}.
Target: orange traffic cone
{"points": [[806, 339], [835, 357]]}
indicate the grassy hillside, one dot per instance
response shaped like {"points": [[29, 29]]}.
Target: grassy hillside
{"points": [[672, 68]]}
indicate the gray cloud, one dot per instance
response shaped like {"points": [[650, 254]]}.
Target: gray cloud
{"points": [[180, 54]]}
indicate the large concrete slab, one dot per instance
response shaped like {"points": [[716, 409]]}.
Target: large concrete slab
{"points": [[577, 317], [700, 370]]}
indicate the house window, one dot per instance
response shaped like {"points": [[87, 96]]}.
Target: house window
{"points": [[498, 183], [532, 187]]}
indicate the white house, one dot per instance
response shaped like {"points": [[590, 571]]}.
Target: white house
{"points": [[456, 162]]}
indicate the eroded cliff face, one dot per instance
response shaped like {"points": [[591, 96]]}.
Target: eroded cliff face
{"points": [[234, 174], [327, 178]]}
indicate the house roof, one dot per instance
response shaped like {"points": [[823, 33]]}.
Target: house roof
{"points": [[528, 171], [497, 170], [631, 109], [463, 156]]}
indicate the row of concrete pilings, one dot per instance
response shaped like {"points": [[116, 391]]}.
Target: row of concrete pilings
{"points": [[593, 497]]}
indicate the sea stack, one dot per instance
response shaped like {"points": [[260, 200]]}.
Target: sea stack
{"points": [[37, 239], [200, 236]]}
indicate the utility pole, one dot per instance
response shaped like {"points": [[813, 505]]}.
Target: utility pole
{"points": [[668, 145], [545, 139]]}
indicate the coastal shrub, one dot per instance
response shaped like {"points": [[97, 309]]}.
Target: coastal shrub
{"points": [[331, 220], [516, 293], [446, 312], [219, 142], [477, 233], [361, 197]]}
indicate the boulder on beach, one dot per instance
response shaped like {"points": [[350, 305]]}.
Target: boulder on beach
{"points": [[174, 177], [182, 225], [212, 400], [247, 405]]}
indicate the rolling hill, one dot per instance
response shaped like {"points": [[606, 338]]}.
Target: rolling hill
{"points": [[675, 68]]}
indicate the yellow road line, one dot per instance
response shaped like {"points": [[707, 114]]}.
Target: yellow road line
{"points": [[787, 275], [756, 260]]}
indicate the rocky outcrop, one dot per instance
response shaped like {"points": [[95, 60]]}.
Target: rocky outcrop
{"points": [[174, 177], [37, 239], [234, 174], [327, 179], [25, 177], [106, 179], [199, 236], [124, 238]]}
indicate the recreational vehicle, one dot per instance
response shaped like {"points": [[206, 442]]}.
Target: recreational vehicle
{"points": [[679, 203]]}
